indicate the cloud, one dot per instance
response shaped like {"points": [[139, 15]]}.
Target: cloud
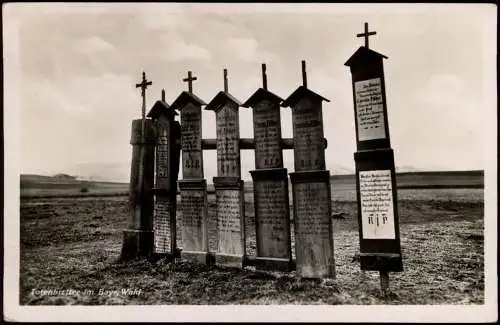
{"points": [[183, 51], [248, 49], [92, 45]]}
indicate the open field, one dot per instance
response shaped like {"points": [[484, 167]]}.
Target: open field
{"points": [[344, 186], [74, 244]]}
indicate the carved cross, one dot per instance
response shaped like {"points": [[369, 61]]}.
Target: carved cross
{"points": [[143, 85], [190, 80], [366, 34]]}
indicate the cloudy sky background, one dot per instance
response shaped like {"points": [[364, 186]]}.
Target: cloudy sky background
{"points": [[71, 70]]}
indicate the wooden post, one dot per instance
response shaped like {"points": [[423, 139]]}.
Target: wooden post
{"points": [[167, 170], [375, 169], [270, 179], [312, 204], [228, 184], [193, 186]]}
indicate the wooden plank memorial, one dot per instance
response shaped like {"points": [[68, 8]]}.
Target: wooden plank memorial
{"points": [[270, 179], [167, 169], [228, 184], [193, 186], [312, 205], [138, 237], [378, 220]]}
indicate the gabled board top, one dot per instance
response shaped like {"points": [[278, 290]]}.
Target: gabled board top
{"points": [[363, 55], [220, 100], [184, 99], [260, 95], [159, 108], [300, 93]]}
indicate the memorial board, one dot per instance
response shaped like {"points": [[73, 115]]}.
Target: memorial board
{"points": [[229, 222], [228, 155], [377, 207], [194, 232], [313, 230], [308, 139], [369, 109], [272, 218], [192, 156], [162, 156], [267, 134], [162, 225]]}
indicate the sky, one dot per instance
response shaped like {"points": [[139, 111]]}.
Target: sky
{"points": [[71, 70]]}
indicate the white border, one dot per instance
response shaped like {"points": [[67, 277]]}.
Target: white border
{"points": [[12, 310]]}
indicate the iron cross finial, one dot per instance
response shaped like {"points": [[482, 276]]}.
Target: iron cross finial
{"points": [[190, 80], [366, 35], [143, 85]]}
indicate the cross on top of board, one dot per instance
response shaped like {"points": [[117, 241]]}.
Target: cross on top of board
{"points": [[264, 76], [226, 87], [143, 85], [190, 80], [366, 34]]}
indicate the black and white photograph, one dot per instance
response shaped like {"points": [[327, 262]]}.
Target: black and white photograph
{"points": [[250, 162]]}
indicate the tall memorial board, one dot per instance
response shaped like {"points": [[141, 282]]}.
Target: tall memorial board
{"points": [[193, 186], [270, 180], [167, 168], [312, 205], [228, 184], [375, 170]]}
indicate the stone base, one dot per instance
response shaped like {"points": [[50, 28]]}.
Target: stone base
{"points": [[271, 264], [137, 244], [198, 257], [229, 260]]}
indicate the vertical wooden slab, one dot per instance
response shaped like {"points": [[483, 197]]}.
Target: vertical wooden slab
{"points": [[313, 224], [192, 156], [272, 219], [194, 220], [228, 151], [309, 146], [230, 223], [267, 135]]}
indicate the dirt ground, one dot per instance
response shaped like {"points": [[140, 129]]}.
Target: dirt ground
{"points": [[70, 250]]}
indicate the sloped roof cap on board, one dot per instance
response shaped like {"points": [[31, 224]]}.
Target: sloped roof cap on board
{"points": [[260, 95], [362, 53], [185, 98], [299, 93], [220, 99], [160, 107]]}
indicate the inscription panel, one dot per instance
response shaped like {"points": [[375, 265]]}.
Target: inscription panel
{"points": [[229, 216], [370, 109], [192, 157], [228, 150], [163, 155], [162, 225], [267, 134], [377, 207], [272, 218], [309, 150], [194, 227], [314, 241]]}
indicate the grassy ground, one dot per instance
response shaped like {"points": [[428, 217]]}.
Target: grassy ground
{"points": [[74, 244]]}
